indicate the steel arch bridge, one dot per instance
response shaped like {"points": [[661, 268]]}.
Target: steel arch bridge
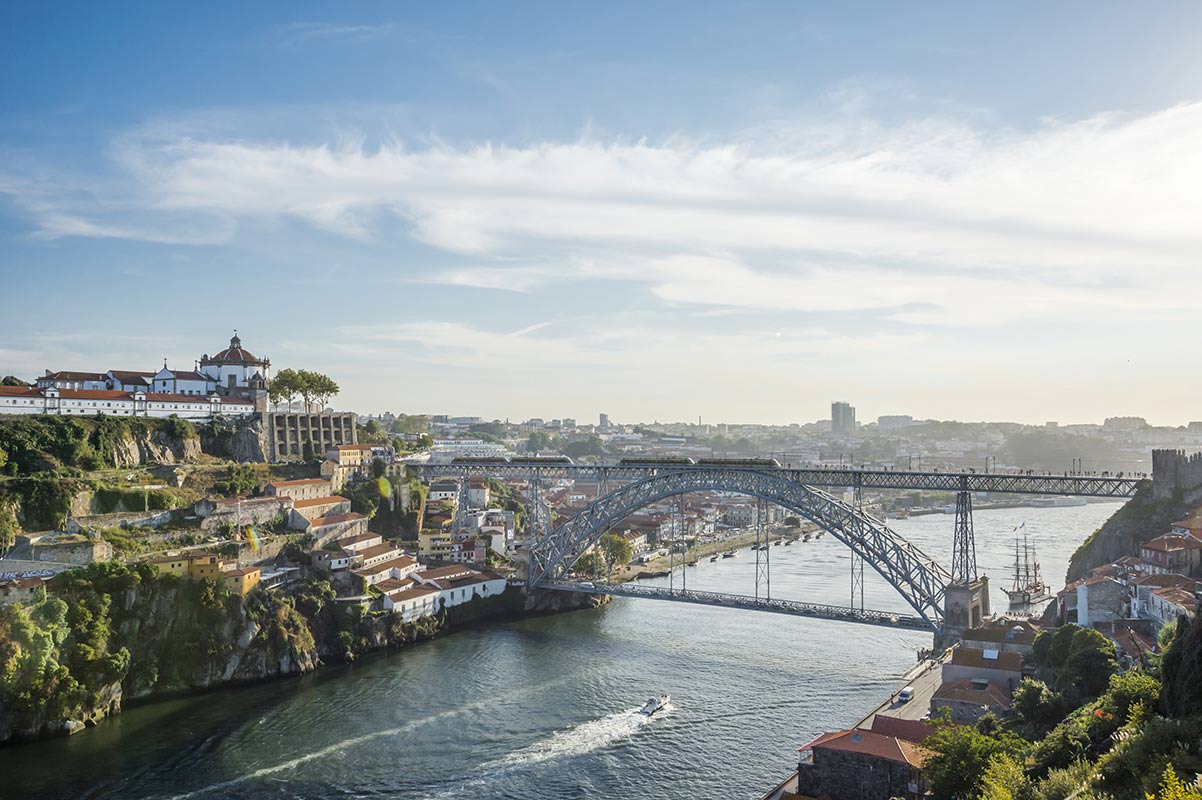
{"points": [[917, 577]]}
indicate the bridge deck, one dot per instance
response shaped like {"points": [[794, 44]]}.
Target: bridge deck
{"points": [[795, 608], [1011, 483]]}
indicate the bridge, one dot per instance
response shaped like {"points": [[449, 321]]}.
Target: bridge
{"points": [[944, 601]]}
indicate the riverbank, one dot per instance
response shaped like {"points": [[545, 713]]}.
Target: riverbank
{"points": [[659, 566], [111, 635]]}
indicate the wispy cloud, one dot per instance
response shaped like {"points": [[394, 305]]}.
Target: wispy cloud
{"points": [[928, 222], [301, 32]]}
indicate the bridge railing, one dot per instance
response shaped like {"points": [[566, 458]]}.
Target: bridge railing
{"points": [[794, 607], [988, 482]]}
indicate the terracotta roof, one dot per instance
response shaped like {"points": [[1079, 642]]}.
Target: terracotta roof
{"points": [[1166, 579], [362, 537], [444, 572], [971, 657], [380, 549], [1014, 631], [392, 584], [130, 375], [240, 572], [965, 691], [69, 375], [190, 375], [342, 447], [1177, 596], [335, 519], [1173, 543], [411, 594], [912, 730], [400, 562], [20, 391], [874, 745], [320, 501], [299, 482]]}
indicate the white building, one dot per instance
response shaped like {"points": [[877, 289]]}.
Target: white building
{"points": [[175, 381], [90, 402], [235, 367]]}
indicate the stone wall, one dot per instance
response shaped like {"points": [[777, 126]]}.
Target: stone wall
{"points": [[1173, 471], [290, 433], [75, 550], [850, 776]]}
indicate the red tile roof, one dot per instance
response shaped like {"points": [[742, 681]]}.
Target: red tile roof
{"points": [[971, 657], [69, 375], [336, 519], [320, 501], [1173, 543], [964, 691], [299, 482], [874, 745], [912, 730]]}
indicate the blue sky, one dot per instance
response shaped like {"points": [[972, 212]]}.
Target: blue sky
{"points": [[734, 210]]}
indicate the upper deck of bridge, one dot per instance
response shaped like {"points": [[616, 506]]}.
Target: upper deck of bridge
{"points": [[1118, 485]]}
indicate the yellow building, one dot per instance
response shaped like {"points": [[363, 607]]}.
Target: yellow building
{"points": [[241, 581], [171, 565], [435, 544]]}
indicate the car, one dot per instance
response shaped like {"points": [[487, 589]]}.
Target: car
{"points": [[906, 695]]}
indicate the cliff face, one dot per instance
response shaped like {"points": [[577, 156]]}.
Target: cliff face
{"points": [[154, 446], [113, 636], [1144, 517], [244, 441]]}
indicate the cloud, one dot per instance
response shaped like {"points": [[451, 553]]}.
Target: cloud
{"points": [[297, 33], [926, 222]]}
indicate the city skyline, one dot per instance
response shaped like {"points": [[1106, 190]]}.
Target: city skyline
{"points": [[661, 212]]}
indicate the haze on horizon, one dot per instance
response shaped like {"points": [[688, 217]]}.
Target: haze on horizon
{"points": [[656, 211]]}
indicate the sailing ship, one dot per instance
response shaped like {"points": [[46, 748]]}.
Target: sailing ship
{"points": [[1027, 588]]}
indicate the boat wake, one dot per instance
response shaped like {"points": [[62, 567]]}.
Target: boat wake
{"points": [[579, 740], [583, 738]]}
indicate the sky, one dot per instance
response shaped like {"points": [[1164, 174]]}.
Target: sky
{"points": [[736, 211]]}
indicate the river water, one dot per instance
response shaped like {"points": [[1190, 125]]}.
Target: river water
{"points": [[545, 707]]}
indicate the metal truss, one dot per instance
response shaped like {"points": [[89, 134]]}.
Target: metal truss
{"points": [[1084, 486], [964, 545], [916, 576], [793, 607]]}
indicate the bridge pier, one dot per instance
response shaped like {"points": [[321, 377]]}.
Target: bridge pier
{"points": [[965, 605]]}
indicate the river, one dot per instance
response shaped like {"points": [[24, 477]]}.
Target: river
{"points": [[544, 708]]}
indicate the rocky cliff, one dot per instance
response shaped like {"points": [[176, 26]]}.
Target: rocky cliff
{"points": [[1144, 517], [154, 445], [109, 634]]}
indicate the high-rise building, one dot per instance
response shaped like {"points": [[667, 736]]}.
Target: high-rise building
{"points": [[604, 423], [843, 418]]}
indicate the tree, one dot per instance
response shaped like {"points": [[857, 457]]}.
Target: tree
{"points": [[12, 380], [320, 387], [1092, 659], [1171, 788], [1033, 701], [284, 387], [960, 755], [539, 441], [792, 522], [1003, 779], [617, 550], [592, 446]]}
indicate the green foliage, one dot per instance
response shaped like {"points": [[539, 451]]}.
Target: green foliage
{"points": [[1082, 659], [592, 446], [1171, 788], [410, 424], [1035, 703], [12, 380], [1003, 779], [311, 387], [960, 755], [239, 479], [9, 528], [1181, 670], [1067, 743], [792, 522], [541, 441]]}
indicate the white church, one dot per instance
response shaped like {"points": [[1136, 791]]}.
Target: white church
{"points": [[232, 383]]}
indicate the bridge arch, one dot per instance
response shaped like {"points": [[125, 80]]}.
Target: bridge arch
{"points": [[917, 577]]}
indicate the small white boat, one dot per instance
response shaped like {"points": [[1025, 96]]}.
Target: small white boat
{"points": [[654, 704]]}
